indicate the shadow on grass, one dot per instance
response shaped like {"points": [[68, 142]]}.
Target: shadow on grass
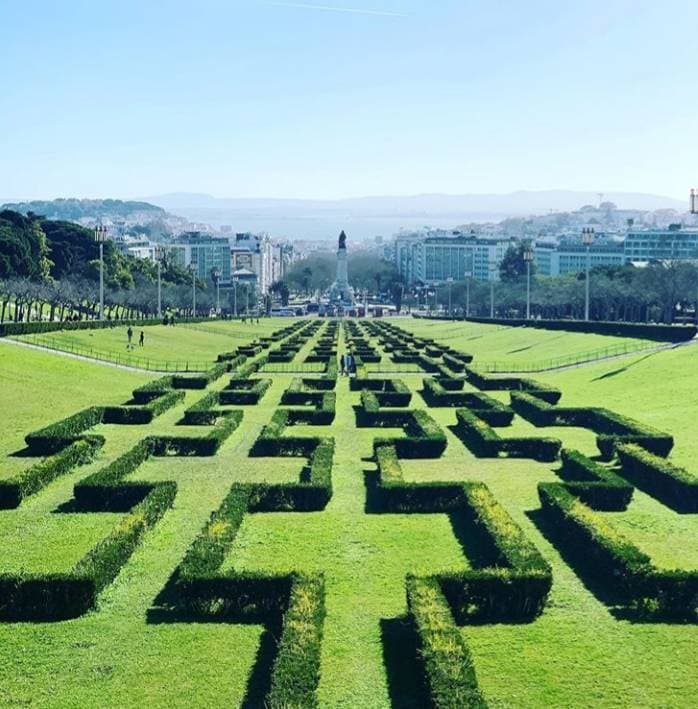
{"points": [[24, 453], [400, 657], [620, 370], [579, 561]]}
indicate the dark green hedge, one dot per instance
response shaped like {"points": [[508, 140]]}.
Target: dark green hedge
{"points": [[57, 436], [448, 665], [199, 381], [595, 485], [42, 597], [488, 382], [106, 490], [32, 328], [244, 391], [14, 490], [138, 415], [673, 486], [207, 445], [483, 441], [661, 333], [629, 571], [296, 672]]}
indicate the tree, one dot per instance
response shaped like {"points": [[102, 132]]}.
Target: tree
{"points": [[281, 289], [23, 247], [513, 265]]}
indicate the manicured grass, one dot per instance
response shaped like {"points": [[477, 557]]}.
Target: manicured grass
{"points": [[577, 654], [519, 346], [189, 346]]}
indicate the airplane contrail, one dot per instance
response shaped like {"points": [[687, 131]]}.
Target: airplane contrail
{"points": [[331, 8]]}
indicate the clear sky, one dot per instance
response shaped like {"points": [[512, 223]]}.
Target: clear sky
{"points": [[243, 98]]}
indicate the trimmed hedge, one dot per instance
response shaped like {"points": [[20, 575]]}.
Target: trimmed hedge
{"points": [[612, 429], [204, 411], [488, 409], [448, 664], [244, 391], [595, 485], [672, 485], [296, 672], [487, 382], [106, 490], [152, 390], [392, 494], [37, 597], [661, 333], [9, 329], [650, 591], [199, 381], [15, 489], [321, 415], [204, 446], [424, 438], [484, 442], [138, 415], [57, 436]]}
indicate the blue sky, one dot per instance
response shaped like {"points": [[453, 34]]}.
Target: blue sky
{"points": [[248, 99]]}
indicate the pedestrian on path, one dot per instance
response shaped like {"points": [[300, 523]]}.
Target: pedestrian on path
{"points": [[129, 334], [342, 365], [141, 339]]}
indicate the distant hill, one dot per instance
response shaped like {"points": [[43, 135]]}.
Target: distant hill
{"points": [[366, 217], [76, 209], [521, 203]]}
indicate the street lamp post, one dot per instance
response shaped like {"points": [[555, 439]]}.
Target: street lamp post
{"points": [[450, 283], [528, 258], [587, 240], [192, 270], [216, 273], [100, 238], [468, 275], [158, 259], [493, 271]]}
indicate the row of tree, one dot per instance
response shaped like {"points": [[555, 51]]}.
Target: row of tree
{"points": [[659, 292]]}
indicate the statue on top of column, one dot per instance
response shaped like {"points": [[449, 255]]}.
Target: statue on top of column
{"points": [[342, 240]]}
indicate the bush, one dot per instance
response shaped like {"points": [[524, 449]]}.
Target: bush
{"points": [[14, 490], [661, 333], [199, 381], [106, 490], [152, 390], [673, 486], [244, 391], [134, 415], [598, 487], [484, 442], [57, 436], [448, 664], [104, 561], [488, 382], [296, 671], [61, 596], [653, 592], [204, 411], [204, 446]]}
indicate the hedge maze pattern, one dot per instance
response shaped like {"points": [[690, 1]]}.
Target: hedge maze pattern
{"points": [[508, 580]]}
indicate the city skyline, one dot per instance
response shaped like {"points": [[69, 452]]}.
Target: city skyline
{"points": [[338, 99]]}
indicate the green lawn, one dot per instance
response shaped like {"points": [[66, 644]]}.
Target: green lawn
{"points": [[519, 346], [577, 654], [184, 346]]}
